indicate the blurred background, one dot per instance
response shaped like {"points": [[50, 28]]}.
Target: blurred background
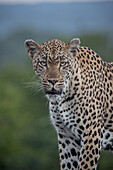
{"points": [[27, 139]]}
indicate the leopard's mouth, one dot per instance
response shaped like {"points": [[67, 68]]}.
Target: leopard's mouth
{"points": [[53, 92]]}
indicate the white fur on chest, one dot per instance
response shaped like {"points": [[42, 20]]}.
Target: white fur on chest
{"points": [[63, 117]]}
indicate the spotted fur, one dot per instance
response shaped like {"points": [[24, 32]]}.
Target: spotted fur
{"points": [[79, 86]]}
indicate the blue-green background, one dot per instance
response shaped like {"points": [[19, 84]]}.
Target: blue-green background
{"points": [[28, 140]]}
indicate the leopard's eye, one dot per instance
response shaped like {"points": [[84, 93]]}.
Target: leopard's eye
{"points": [[63, 63], [43, 63]]}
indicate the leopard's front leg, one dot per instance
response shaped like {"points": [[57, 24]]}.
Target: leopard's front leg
{"points": [[69, 151], [90, 147]]}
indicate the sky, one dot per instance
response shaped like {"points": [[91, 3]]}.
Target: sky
{"points": [[35, 1]]}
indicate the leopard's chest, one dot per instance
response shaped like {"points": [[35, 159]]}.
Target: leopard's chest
{"points": [[66, 118]]}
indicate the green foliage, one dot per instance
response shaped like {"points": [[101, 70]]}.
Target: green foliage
{"points": [[106, 161], [27, 138]]}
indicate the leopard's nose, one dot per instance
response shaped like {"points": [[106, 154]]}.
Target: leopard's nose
{"points": [[53, 82]]}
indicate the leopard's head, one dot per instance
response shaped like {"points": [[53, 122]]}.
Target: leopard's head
{"points": [[53, 62]]}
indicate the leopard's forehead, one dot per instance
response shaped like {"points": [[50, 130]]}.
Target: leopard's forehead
{"points": [[53, 47], [54, 44]]}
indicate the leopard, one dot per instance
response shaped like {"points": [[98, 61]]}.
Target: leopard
{"points": [[79, 87]]}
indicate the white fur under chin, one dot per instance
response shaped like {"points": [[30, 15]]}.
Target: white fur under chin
{"points": [[53, 97]]}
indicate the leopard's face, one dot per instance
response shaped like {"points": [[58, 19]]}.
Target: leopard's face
{"points": [[53, 63]]}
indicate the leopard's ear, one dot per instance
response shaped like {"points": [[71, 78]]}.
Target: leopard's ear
{"points": [[32, 47], [74, 43]]}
